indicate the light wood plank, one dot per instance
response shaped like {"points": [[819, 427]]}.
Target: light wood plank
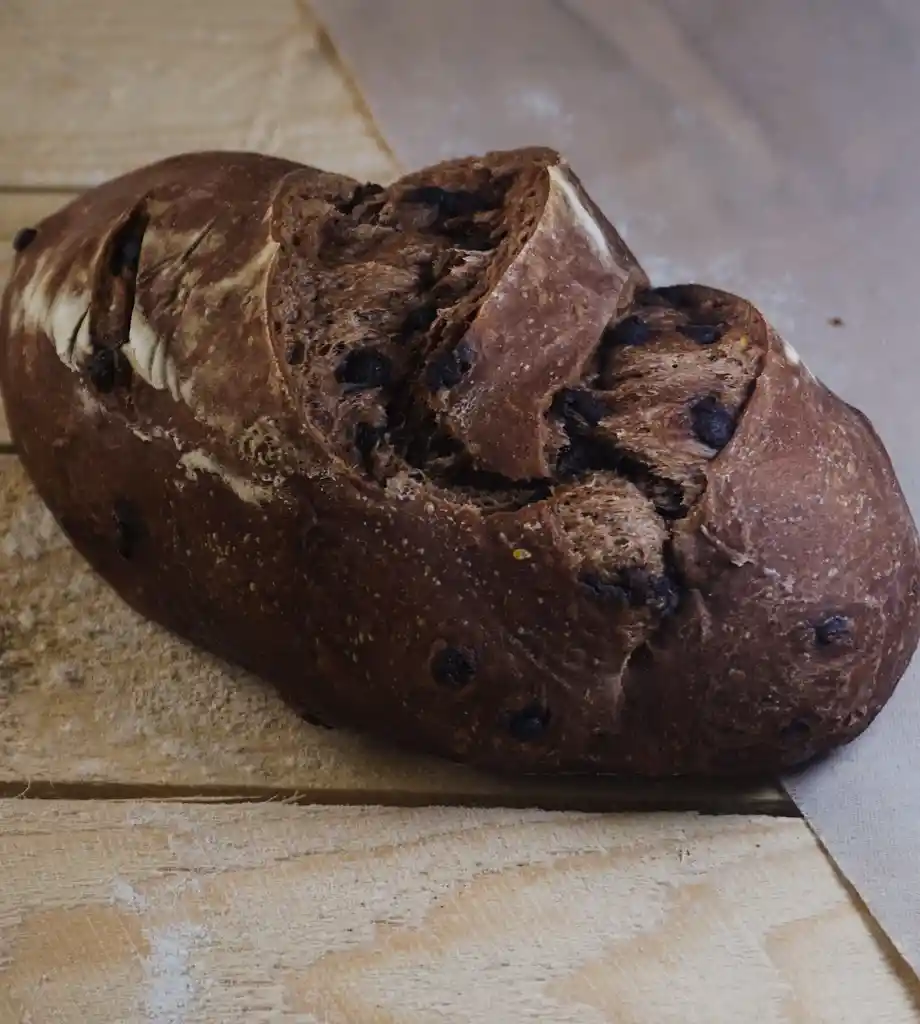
{"points": [[91, 695], [20, 208], [117, 912], [91, 90]]}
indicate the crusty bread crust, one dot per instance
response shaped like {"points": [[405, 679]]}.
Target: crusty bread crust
{"points": [[438, 462]]}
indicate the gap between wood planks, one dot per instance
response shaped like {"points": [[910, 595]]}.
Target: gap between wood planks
{"points": [[328, 48], [588, 796]]}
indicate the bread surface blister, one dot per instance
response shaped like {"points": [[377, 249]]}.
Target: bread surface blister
{"points": [[440, 463]]}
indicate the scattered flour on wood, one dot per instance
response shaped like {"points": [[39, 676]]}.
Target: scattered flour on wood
{"points": [[125, 895], [170, 989], [31, 532]]}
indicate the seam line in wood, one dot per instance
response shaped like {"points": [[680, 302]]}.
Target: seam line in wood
{"points": [[327, 46], [586, 801]]}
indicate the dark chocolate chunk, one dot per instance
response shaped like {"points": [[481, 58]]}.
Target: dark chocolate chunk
{"points": [[834, 629], [655, 298], [364, 368], [631, 331], [702, 334], [584, 454], [637, 584], [449, 202], [607, 589], [129, 528], [475, 241], [446, 369], [295, 352], [663, 595], [572, 461], [797, 731], [713, 424], [530, 723], [667, 496], [453, 667], [23, 238], [102, 369], [361, 194], [367, 437], [637, 588], [574, 404], [419, 319]]}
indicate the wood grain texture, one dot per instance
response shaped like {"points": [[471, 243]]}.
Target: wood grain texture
{"points": [[93, 90], [91, 695], [116, 912]]}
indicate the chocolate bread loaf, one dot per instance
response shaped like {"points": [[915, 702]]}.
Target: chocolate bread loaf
{"points": [[439, 462]]}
